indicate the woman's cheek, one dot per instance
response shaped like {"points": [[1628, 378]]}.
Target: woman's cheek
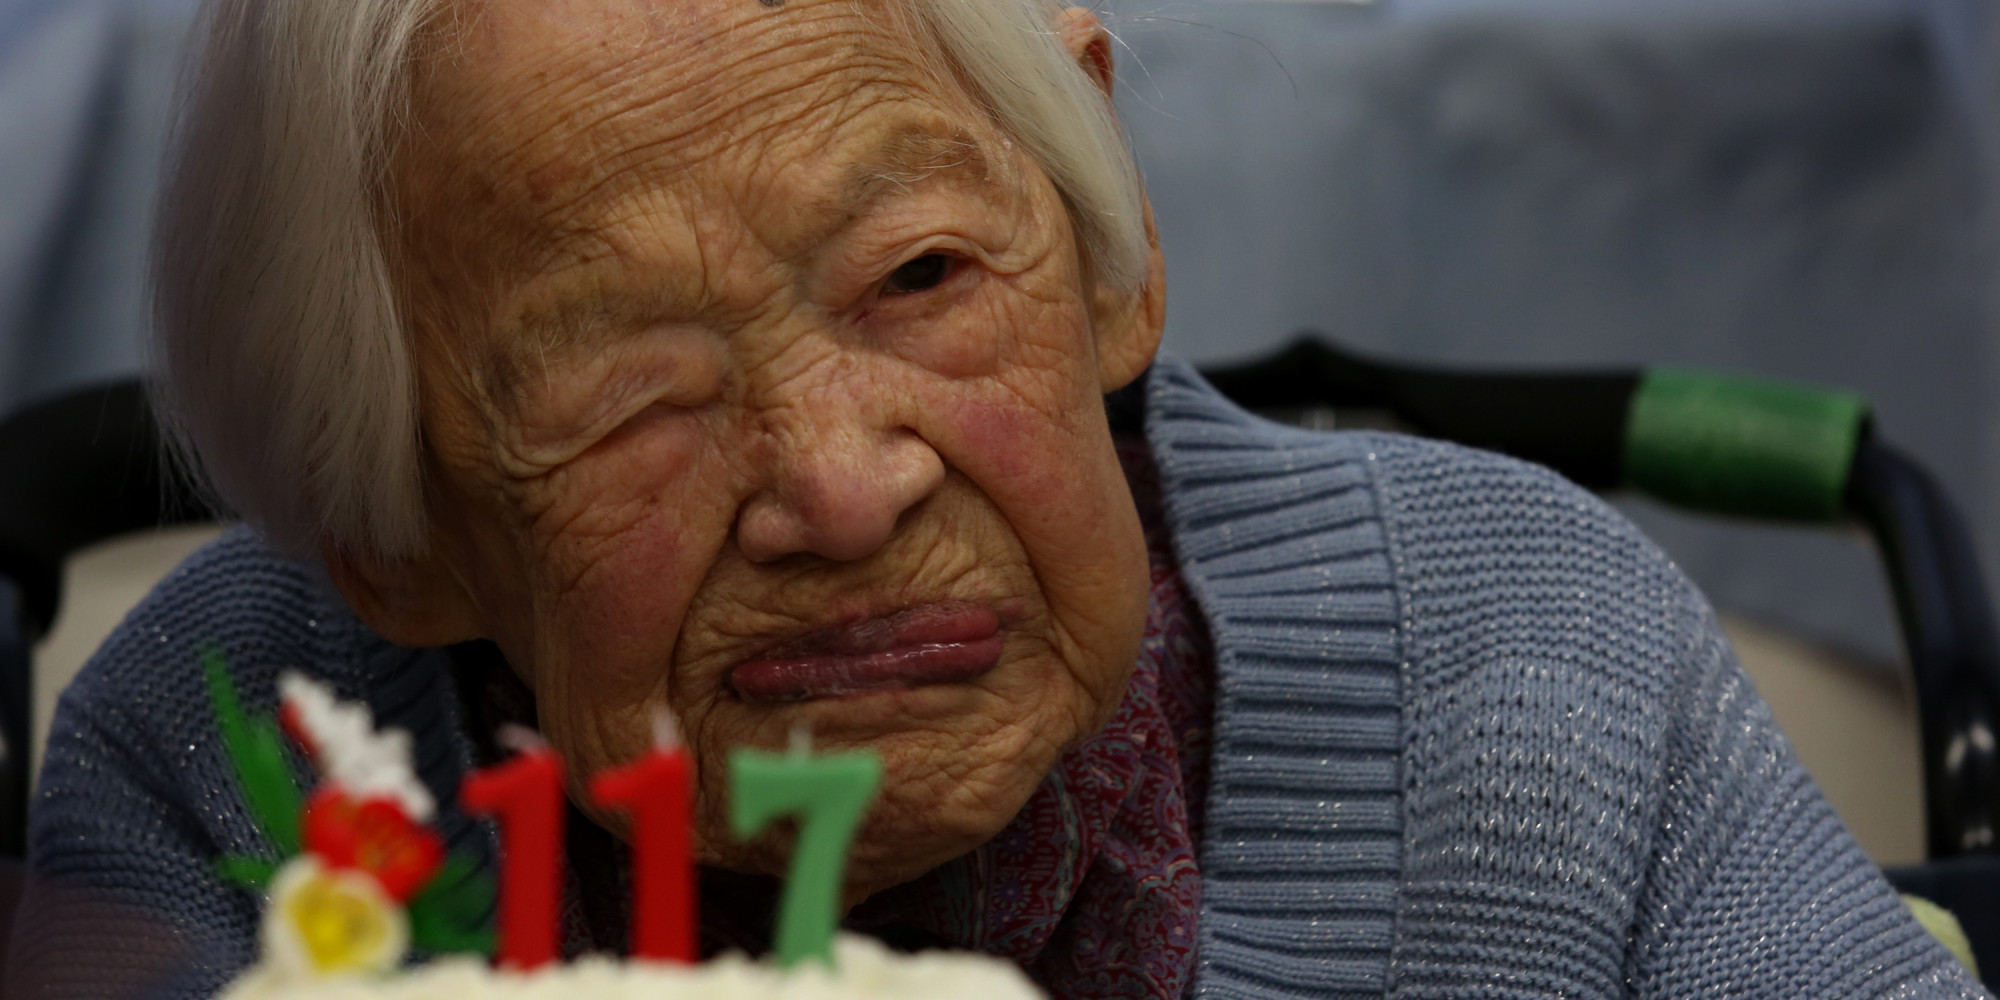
{"points": [[651, 515], [998, 442], [633, 583], [1023, 434]]}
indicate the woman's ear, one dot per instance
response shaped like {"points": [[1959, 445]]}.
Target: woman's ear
{"points": [[1089, 44], [1128, 324], [414, 602]]}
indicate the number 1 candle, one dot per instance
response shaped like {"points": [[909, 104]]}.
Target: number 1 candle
{"points": [[655, 791], [526, 795], [829, 795]]}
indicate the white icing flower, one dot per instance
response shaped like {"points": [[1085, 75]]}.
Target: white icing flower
{"points": [[349, 751], [327, 922]]}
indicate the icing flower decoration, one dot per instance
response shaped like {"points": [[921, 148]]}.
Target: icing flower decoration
{"points": [[375, 836], [326, 921], [359, 878]]}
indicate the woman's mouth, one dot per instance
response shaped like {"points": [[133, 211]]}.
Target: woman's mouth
{"points": [[944, 643]]}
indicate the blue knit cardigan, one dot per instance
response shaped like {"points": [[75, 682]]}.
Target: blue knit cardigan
{"points": [[1474, 737]]}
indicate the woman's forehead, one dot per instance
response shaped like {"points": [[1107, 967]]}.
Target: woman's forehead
{"points": [[569, 177], [697, 74], [545, 121]]}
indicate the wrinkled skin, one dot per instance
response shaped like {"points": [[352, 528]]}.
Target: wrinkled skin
{"points": [[680, 405]]}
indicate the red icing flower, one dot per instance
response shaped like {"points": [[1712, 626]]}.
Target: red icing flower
{"points": [[375, 836]]}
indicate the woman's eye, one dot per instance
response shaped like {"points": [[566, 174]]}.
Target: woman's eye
{"points": [[921, 274]]}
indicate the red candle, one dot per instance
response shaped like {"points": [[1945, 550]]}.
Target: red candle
{"points": [[526, 795], [656, 791]]}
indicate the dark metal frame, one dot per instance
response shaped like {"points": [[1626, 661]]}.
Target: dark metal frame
{"points": [[75, 469]]}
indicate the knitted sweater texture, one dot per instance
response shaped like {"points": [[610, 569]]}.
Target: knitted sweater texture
{"points": [[1474, 737]]}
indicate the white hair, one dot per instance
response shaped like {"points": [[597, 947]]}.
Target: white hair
{"points": [[283, 369]]}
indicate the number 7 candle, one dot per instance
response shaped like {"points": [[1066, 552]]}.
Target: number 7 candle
{"points": [[829, 795]]}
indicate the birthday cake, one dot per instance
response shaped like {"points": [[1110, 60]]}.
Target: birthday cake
{"points": [[866, 971], [361, 880]]}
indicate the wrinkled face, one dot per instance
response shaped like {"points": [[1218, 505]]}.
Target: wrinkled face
{"points": [[761, 380]]}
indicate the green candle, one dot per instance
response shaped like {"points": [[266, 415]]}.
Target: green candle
{"points": [[829, 795]]}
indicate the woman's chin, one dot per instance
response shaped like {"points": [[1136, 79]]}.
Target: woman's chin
{"points": [[959, 761]]}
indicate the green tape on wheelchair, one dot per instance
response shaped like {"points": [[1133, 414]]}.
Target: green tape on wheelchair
{"points": [[1732, 445]]}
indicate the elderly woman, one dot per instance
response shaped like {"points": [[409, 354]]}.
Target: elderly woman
{"points": [[792, 363]]}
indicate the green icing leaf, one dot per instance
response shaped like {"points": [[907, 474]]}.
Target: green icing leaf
{"points": [[450, 914], [433, 936], [257, 754], [248, 872]]}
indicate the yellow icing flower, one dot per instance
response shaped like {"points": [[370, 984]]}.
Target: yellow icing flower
{"points": [[331, 922]]}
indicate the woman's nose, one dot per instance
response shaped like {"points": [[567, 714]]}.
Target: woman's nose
{"points": [[839, 495]]}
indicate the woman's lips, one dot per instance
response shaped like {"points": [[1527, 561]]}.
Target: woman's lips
{"points": [[943, 643]]}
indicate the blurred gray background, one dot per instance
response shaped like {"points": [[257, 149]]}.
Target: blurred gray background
{"points": [[1783, 187]]}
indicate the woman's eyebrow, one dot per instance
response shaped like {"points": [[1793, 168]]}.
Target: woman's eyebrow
{"points": [[904, 158], [913, 154]]}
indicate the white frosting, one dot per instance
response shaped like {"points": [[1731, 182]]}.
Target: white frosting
{"points": [[868, 971], [349, 751]]}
